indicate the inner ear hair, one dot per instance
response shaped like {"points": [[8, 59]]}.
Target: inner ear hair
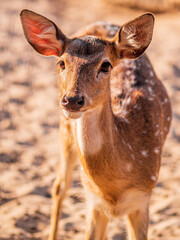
{"points": [[134, 37], [43, 34]]}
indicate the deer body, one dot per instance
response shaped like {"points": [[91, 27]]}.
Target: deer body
{"points": [[119, 160], [117, 123]]}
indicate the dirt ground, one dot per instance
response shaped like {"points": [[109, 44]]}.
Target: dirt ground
{"points": [[29, 119]]}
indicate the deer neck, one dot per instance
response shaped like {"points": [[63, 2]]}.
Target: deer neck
{"points": [[94, 132]]}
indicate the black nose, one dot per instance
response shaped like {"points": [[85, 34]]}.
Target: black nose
{"points": [[73, 103]]}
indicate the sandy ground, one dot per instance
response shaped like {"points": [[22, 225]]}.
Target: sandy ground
{"points": [[29, 115]]}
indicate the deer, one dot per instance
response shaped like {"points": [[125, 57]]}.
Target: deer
{"points": [[116, 115]]}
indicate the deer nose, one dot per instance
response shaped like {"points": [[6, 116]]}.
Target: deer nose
{"points": [[73, 103]]}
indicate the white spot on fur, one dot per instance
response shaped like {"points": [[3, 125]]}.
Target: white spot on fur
{"points": [[166, 129], [144, 153], [157, 132], [150, 89], [153, 178], [128, 167], [129, 146], [151, 73], [128, 73], [165, 101], [150, 99], [168, 119], [156, 150], [152, 82]]}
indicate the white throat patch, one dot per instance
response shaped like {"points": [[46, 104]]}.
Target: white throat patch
{"points": [[88, 133]]}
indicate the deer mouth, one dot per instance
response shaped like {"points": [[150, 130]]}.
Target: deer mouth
{"points": [[72, 114]]}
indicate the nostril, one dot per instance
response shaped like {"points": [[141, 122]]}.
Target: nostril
{"points": [[80, 102], [73, 103], [64, 101]]}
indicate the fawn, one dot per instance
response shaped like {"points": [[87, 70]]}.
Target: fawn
{"points": [[116, 116]]}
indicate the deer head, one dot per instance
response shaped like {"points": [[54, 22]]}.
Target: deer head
{"points": [[85, 63]]}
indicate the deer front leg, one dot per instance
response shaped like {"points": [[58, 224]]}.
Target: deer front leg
{"points": [[96, 224], [138, 224], [64, 176]]}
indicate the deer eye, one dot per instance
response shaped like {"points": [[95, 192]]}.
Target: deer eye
{"points": [[61, 64], [105, 67]]}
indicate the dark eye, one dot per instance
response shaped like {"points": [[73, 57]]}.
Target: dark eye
{"points": [[62, 64], [105, 67]]}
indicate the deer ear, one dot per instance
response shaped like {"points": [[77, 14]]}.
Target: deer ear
{"points": [[134, 37], [43, 35]]}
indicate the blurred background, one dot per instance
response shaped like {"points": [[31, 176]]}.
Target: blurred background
{"points": [[29, 119]]}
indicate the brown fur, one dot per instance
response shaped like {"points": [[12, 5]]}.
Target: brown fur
{"points": [[120, 130]]}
